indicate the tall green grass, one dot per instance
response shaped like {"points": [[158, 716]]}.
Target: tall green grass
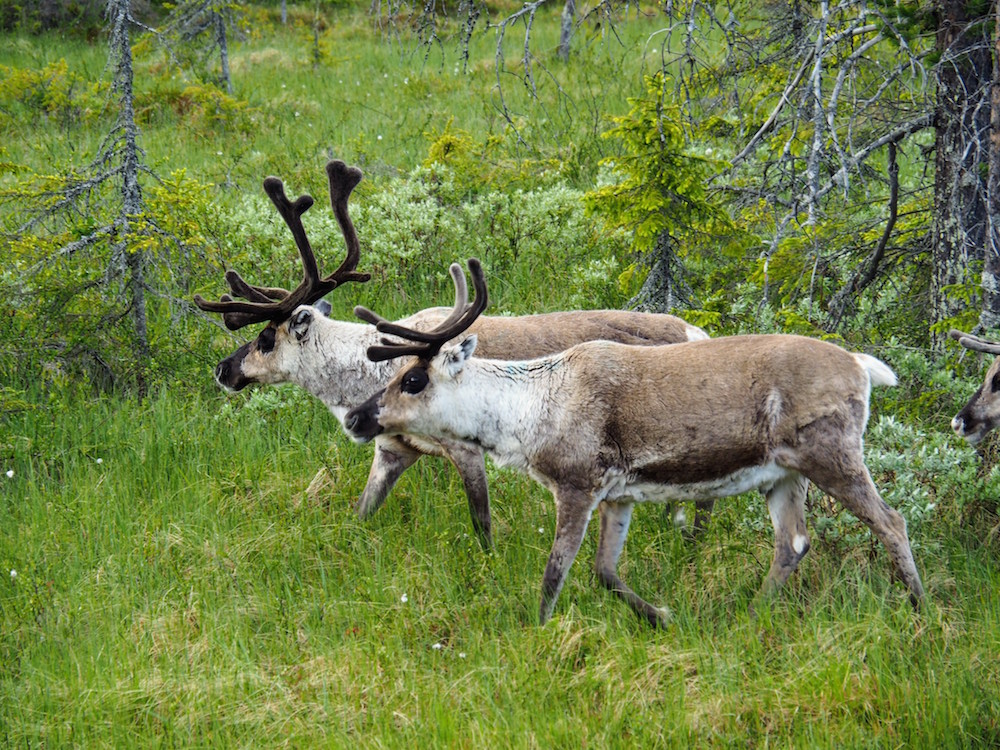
{"points": [[181, 580], [368, 100]]}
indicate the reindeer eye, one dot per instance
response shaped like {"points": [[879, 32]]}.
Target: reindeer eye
{"points": [[265, 342], [414, 381]]}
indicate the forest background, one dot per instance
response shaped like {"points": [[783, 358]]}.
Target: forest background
{"points": [[183, 567]]}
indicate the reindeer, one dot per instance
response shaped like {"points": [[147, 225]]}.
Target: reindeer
{"points": [[604, 425], [982, 412], [300, 344]]}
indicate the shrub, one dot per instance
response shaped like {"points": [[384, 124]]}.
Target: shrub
{"points": [[52, 92], [535, 242]]}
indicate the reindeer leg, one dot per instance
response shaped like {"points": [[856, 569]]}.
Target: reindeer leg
{"points": [[391, 459], [702, 515], [838, 468], [858, 494], [786, 503], [615, 519], [573, 511], [471, 467]]}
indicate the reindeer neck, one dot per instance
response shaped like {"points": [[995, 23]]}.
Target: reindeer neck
{"points": [[508, 398], [335, 367]]}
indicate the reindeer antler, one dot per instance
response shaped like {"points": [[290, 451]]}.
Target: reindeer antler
{"points": [[975, 343], [274, 303], [461, 299], [428, 343]]}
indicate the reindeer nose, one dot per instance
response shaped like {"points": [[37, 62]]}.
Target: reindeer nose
{"points": [[222, 372], [361, 422], [958, 424]]}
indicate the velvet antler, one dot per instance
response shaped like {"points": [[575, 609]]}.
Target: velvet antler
{"points": [[274, 303], [977, 344], [428, 343]]}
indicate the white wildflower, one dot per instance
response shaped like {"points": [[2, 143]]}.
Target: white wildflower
{"points": [[13, 574], [10, 473], [403, 599], [436, 647]]}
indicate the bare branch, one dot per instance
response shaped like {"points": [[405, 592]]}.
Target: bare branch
{"points": [[769, 123], [866, 275], [527, 13]]}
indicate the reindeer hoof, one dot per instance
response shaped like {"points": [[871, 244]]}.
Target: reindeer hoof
{"points": [[661, 618]]}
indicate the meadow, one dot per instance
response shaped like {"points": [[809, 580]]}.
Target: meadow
{"points": [[186, 569]]}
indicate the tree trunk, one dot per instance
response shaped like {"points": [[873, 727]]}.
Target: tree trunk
{"points": [[989, 317], [820, 134], [961, 122], [566, 29], [220, 39], [664, 288], [132, 206], [284, 12]]}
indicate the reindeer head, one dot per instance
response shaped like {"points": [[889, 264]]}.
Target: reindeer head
{"points": [[433, 368], [982, 413], [289, 314]]}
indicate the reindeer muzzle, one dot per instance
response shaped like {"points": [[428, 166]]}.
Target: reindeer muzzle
{"points": [[361, 422], [971, 430]]}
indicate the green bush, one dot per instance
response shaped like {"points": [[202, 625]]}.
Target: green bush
{"points": [[52, 93], [540, 248]]}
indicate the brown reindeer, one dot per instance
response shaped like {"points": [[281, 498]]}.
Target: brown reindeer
{"points": [[982, 412], [300, 344], [604, 425]]}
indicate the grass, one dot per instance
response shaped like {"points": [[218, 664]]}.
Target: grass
{"points": [[177, 572], [369, 101], [190, 589]]}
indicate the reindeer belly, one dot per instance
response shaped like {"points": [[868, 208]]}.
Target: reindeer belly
{"points": [[637, 487]]}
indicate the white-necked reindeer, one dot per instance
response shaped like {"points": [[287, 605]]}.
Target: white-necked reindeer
{"points": [[605, 425], [327, 357], [982, 412]]}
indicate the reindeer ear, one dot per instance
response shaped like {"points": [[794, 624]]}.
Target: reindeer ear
{"points": [[299, 323], [456, 356], [324, 307]]}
